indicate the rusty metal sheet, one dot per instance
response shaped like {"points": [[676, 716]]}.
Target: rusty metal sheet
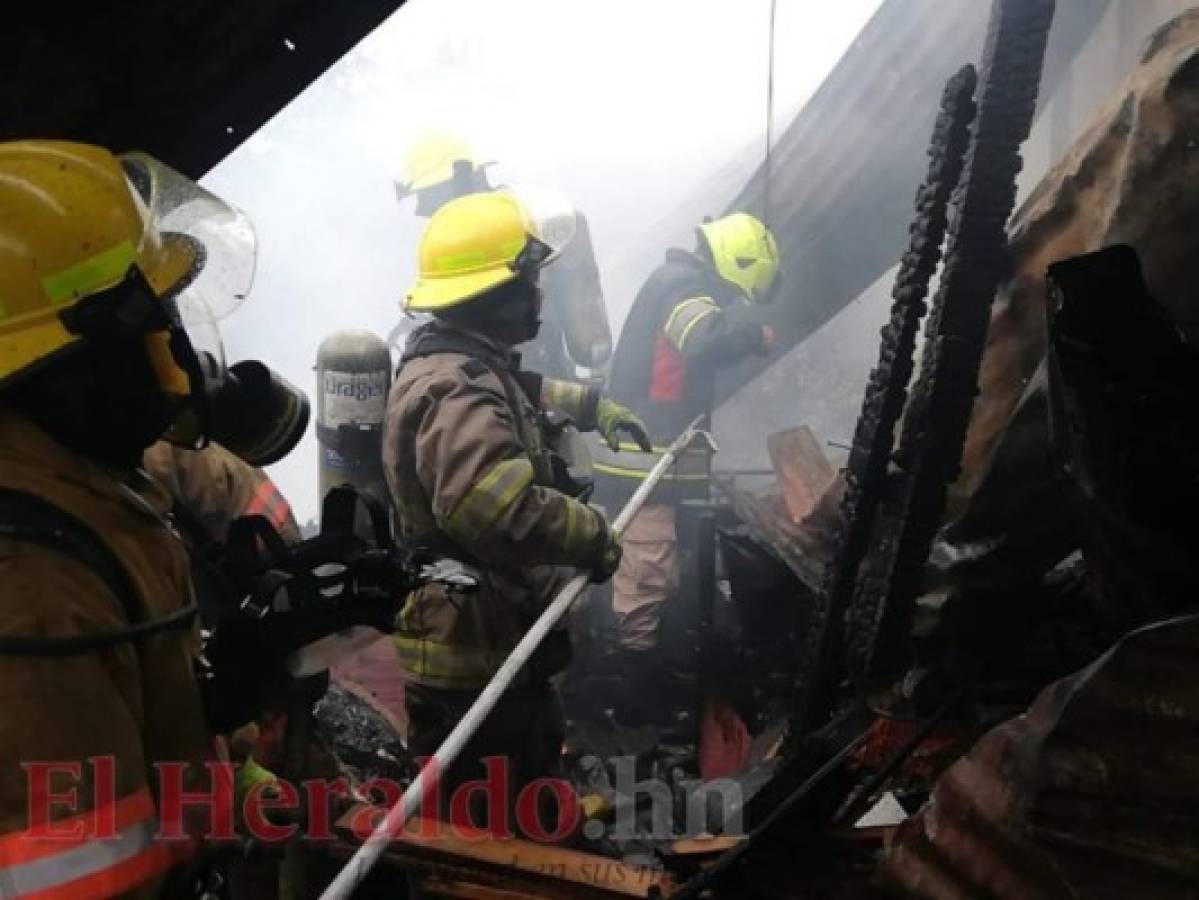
{"points": [[1094, 792], [1131, 177]]}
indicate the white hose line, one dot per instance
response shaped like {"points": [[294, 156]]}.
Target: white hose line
{"points": [[365, 858]]}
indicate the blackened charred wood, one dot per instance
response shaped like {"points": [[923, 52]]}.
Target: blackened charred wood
{"points": [[938, 415], [884, 399]]}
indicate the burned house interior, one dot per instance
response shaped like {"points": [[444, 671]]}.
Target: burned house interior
{"points": [[929, 631]]}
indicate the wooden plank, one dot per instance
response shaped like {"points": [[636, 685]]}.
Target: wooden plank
{"points": [[436, 886], [700, 846], [804, 547], [804, 472], [425, 838]]}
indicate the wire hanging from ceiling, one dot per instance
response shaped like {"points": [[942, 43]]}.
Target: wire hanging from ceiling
{"points": [[768, 164]]}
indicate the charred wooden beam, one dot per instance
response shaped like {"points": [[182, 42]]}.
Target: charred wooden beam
{"points": [[886, 392], [977, 262]]}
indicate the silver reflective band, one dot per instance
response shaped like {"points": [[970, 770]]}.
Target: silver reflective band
{"points": [[79, 862], [684, 318]]}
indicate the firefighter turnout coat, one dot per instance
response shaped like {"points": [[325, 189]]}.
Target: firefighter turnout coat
{"points": [[471, 477], [216, 487], [686, 323], [85, 734]]}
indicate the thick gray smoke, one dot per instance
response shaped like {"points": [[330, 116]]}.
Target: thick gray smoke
{"points": [[846, 170], [648, 115]]}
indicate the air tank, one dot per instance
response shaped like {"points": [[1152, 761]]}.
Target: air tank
{"points": [[572, 283], [353, 374]]}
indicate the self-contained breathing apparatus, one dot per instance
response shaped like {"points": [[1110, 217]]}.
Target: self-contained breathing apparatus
{"points": [[262, 603], [559, 459], [278, 605]]}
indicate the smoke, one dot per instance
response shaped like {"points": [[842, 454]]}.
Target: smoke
{"points": [[647, 115]]}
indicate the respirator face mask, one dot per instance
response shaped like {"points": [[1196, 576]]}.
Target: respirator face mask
{"points": [[199, 255]]}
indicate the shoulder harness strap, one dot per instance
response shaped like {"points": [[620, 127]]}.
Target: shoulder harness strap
{"points": [[28, 517], [480, 362], [516, 385]]}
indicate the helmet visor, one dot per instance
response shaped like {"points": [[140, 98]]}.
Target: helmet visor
{"points": [[552, 218], [173, 205]]}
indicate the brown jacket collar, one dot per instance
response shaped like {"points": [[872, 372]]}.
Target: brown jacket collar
{"points": [[24, 444]]}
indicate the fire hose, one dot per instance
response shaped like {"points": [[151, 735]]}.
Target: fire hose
{"points": [[365, 858]]}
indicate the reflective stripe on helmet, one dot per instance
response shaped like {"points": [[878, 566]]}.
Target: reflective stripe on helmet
{"points": [[90, 275], [479, 510], [471, 245], [474, 260]]}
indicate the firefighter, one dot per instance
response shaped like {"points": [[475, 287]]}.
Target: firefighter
{"points": [[209, 488], [471, 478], [438, 168], [693, 316], [102, 318], [575, 332], [215, 487]]}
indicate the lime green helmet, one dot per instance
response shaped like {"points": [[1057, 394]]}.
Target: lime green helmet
{"points": [[745, 253]]}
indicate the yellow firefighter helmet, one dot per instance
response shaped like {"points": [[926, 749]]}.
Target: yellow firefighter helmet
{"points": [[430, 161], [745, 253], [473, 244], [76, 224]]}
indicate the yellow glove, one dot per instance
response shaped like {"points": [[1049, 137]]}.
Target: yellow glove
{"points": [[611, 419]]}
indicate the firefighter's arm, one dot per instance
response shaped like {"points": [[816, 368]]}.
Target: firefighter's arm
{"points": [[480, 483], [705, 332], [77, 817], [216, 487], [578, 401], [591, 410]]}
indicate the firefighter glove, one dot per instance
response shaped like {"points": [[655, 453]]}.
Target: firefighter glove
{"points": [[608, 561], [612, 418]]}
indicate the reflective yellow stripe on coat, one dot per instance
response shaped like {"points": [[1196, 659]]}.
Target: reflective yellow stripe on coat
{"points": [[633, 463], [684, 318], [479, 510], [444, 665]]}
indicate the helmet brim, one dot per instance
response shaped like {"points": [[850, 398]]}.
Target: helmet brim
{"points": [[434, 294]]}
